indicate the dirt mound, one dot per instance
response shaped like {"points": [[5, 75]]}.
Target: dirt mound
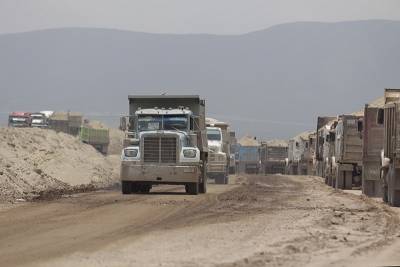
{"points": [[248, 141], [33, 161]]}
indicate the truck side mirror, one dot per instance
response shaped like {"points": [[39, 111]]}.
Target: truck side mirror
{"points": [[381, 116], [191, 124]]}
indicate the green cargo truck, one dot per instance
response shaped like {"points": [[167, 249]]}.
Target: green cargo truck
{"points": [[98, 138]]}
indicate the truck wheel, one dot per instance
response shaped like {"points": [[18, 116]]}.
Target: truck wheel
{"points": [[203, 187], [348, 180], [135, 187], [220, 179], [385, 194], [203, 184], [126, 187], [192, 188], [144, 188], [396, 198], [340, 178], [226, 181], [333, 181]]}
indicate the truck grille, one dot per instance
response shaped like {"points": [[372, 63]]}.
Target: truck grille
{"points": [[213, 157], [159, 149]]}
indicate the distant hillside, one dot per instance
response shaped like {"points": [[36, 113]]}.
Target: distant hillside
{"points": [[271, 83]]}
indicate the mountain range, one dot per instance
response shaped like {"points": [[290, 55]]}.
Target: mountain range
{"points": [[271, 83]]}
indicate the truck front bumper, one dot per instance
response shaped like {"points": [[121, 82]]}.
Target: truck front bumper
{"points": [[179, 174], [216, 167]]}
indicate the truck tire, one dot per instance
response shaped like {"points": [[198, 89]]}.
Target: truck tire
{"points": [[192, 188], [333, 181], [395, 198], [348, 180], [144, 188], [126, 187], [220, 179], [340, 176], [203, 184], [135, 187], [203, 187], [385, 194], [226, 181]]}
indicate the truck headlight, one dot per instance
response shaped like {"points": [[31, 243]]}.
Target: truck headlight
{"points": [[189, 153], [131, 152]]}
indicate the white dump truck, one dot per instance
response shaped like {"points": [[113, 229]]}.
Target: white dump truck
{"points": [[218, 151], [166, 144], [39, 120], [347, 161]]}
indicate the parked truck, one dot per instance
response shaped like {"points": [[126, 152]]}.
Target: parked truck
{"points": [[66, 122], [319, 160], [347, 161], [373, 135], [390, 117], [273, 156], [218, 151], [19, 119], [327, 136], [39, 120], [167, 144], [97, 137], [299, 156], [249, 155]]}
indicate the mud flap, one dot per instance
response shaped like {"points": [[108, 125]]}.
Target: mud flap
{"points": [[348, 180], [340, 178]]}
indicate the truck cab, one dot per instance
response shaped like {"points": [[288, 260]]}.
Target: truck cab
{"points": [[19, 119], [39, 120], [166, 144], [217, 158]]}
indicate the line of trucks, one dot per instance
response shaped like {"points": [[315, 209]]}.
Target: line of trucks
{"points": [[67, 122], [169, 140], [358, 150]]}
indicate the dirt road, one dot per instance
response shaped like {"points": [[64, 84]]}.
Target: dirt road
{"points": [[255, 221]]}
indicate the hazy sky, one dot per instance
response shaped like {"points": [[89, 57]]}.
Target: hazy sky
{"points": [[185, 16]]}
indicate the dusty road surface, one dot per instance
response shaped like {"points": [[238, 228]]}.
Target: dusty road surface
{"points": [[255, 221]]}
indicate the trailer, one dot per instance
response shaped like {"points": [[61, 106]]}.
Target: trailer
{"points": [[273, 156], [373, 135], [347, 162], [390, 116], [98, 138], [249, 155], [299, 157], [66, 122]]}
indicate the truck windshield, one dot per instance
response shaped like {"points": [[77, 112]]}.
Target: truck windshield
{"points": [[165, 122], [213, 135], [17, 119], [175, 122], [149, 123]]}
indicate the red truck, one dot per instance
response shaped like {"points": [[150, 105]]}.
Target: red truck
{"points": [[19, 119]]}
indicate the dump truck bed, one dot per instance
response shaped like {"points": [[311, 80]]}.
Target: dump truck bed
{"points": [[94, 136], [348, 147]]}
